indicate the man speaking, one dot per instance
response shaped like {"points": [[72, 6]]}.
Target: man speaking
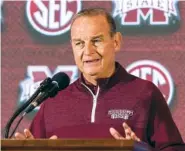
{"points": [[106, 101]]}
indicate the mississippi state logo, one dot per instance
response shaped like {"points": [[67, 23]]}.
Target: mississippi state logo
{"points": [[144, 16], [120, 114], [36, 74], [52, 17], [156, 73]]}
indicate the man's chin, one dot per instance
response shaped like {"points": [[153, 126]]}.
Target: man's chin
{"points": [[92, 73]]}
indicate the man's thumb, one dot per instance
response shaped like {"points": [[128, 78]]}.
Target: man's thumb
{"points": [[53, 137]]}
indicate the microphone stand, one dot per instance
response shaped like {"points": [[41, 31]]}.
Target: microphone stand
{"points": [[42, 88]]}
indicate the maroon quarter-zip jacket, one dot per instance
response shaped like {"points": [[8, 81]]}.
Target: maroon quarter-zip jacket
{"points": [[80, 112]]}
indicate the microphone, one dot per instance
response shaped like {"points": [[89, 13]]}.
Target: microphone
{"points": [[48, 88], [43, 85], [59, 82]]}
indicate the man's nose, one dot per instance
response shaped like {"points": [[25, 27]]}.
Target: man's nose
{"points": [[89, 49]]}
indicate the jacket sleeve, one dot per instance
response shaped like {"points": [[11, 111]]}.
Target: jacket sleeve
{"points": [[37, 126], [162, 132]]}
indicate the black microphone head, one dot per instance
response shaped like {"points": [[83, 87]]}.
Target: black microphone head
{"points": [[62, 79]]}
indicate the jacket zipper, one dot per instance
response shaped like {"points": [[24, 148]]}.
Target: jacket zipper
{"points": [[95, 97]]}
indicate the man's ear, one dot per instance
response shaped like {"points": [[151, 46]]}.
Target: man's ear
{"points": [[117, 41]]}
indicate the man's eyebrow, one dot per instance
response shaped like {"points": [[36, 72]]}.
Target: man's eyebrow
{"points": [[76, 39], [98, 36], [93, 37]]}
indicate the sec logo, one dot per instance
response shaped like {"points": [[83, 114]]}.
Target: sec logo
{"points": [[156, 73], [51, 17]]}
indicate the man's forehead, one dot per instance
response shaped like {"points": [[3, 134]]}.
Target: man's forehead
{"points": [[88, 27], [90, 18], [89, 22]]}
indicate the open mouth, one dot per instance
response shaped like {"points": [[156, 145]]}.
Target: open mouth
{"points": [[92, 61]]}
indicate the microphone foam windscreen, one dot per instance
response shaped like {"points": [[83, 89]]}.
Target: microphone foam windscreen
{"points": [[62, 79]]}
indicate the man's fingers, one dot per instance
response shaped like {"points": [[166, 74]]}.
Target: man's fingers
{"points": [[53, 137], [129, 133], [134, 137], [126, 127], [19, 136], [28, 134], [115, 134]]}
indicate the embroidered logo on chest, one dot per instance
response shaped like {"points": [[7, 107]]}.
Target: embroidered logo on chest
{"points": [[120, 114]]}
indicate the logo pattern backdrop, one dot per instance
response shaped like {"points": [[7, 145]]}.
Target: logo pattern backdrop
{"points": [[51, 17], [145, 15], [152, 48], [157, 74]]}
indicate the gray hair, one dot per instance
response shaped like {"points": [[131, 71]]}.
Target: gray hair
{"points": [[94, 12]]}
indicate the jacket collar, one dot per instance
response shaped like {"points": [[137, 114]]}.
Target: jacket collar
{"points": [[106, 83]]}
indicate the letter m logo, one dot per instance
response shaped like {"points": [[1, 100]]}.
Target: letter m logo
{"points": [[36, 74]]}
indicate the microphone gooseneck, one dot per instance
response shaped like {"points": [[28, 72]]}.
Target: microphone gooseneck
{"points": [[48, 88]]}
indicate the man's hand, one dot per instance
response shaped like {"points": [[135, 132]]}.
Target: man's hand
{"points": [[28, 135], [129, 134]]}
